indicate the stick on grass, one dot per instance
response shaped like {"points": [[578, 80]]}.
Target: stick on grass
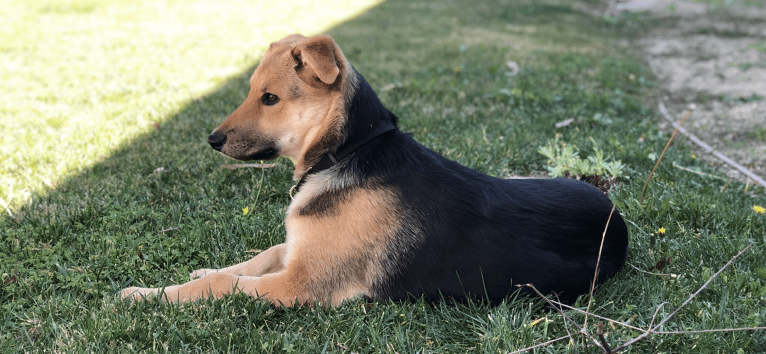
{"points": [[688, 113], [247, 165], [542, 344], [708, 149], [651, 330], [650, 273], [598, 262]]}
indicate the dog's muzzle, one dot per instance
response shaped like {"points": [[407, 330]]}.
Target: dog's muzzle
{"points": [[216, 140]]}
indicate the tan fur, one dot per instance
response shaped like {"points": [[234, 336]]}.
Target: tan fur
{"points": [[328, 257], [310, 110], [269, 261], [347, 247]]}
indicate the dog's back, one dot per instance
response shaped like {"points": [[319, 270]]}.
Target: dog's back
{"points": [[469, 234]]}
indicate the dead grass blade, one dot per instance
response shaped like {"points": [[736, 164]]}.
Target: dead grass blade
{"points": [[708, 149], [650, 273], [246, 165], [581, 330], [598, 262], [651, 330], [688, 113], [599, 317], [5, 205], [542, 344]]}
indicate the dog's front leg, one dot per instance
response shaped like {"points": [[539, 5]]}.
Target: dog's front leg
{"points": [[215, 285], [268, 261], [283, 288]]}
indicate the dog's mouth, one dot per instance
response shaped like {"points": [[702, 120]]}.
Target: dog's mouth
{"points": [[249, 151], [268, 153], [244, 150]]}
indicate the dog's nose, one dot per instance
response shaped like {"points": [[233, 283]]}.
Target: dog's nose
{"points": [[216, 140]]}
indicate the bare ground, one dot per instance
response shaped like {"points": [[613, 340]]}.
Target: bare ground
{"points": [[712, 56]]}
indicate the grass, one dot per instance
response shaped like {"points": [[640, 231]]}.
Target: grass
{"points": [[731, 3], [758, 134], [90, 204], [86, 78]]}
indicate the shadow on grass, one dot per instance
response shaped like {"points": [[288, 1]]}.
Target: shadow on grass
{"points": [[388, 44]]}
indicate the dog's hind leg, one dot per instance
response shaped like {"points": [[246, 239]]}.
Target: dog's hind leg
{"points": [[268, 261]]}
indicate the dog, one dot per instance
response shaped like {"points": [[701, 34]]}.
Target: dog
{"points": [[375, 214]]}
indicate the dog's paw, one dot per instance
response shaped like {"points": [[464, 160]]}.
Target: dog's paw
{"points": [[136, 293], [131, 293], [199, 273]]}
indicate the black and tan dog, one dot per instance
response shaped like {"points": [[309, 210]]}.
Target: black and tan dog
{"points": [[376, 214]]}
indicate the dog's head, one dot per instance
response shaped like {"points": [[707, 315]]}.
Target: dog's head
{"points": [[296, 104]]}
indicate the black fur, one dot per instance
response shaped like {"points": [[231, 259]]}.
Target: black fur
{"points": [[466, 234], [325, 204]]}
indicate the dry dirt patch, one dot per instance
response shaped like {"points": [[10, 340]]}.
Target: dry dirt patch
{"points": [[714, 56]]}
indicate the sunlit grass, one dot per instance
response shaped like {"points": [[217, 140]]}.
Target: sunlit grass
{"points": [[82, 78]]}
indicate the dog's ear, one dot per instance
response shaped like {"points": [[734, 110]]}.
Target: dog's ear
{"points": [[317, 53]]}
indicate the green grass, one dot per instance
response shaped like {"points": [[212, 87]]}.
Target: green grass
{"points": [[85, 78], [87, 86], [717, 4], [758, 134]]}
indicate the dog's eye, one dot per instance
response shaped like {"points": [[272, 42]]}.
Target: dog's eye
{"points": [[269, 99]]}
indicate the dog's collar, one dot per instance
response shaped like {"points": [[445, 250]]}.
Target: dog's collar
{"points": [[330, 159]]}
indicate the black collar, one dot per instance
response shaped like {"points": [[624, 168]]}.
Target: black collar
{"points": [[366, 120], [330, 159]]}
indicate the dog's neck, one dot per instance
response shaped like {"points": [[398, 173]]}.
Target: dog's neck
{"points": [[366, 119]]}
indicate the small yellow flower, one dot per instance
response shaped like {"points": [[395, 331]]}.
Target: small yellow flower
{"points": [[245, 210], [694, 156], [661, 231], [758, 209]]}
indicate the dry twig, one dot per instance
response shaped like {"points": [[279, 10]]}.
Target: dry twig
{"points": [[541, 344], [566, 318], [244, 165], [599, 317], [708, 149], [656, 311], [600, 331], [598, 261], [7, 208], [688, 113], [566, 326], [650, 273], [651, 330], [712, 330], [703, 174]]}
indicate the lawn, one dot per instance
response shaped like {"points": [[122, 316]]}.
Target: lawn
{"points": [[107, 180]]}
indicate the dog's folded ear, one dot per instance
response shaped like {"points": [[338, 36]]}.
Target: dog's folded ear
{"points": [[317, 53]]}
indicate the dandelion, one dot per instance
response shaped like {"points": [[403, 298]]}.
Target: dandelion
{"points": [[758, 209], [661, 231], [245, 210]]}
